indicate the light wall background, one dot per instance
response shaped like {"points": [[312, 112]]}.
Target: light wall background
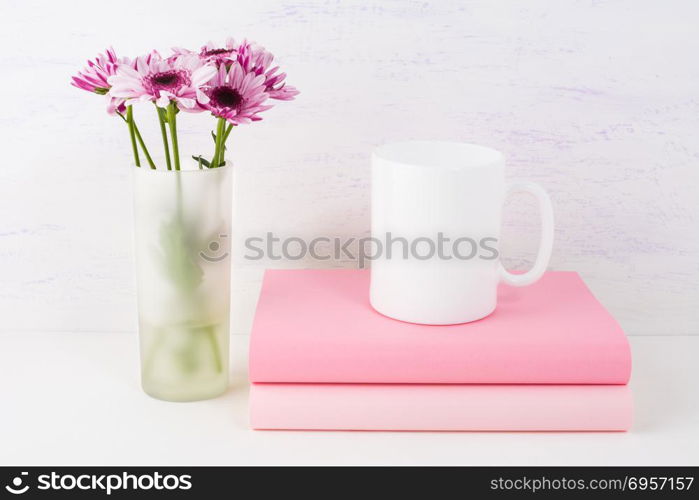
{"points": [[596, 100]]}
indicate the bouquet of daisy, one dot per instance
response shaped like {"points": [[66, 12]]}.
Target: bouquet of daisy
{"points": [[183, 212], [234, 82]]}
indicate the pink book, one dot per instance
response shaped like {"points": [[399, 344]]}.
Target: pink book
{"points": [[317, 326], [451, 407]]}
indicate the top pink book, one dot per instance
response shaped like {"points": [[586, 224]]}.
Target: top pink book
{"points": [[318, 326]]}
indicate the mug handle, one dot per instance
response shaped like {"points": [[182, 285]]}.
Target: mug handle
{"points": [[546, 242]]}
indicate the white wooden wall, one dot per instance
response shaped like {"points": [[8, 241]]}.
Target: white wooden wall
{"points": [[596, 100]]}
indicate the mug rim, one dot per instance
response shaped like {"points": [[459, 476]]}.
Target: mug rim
{"points": [[452, 154]]}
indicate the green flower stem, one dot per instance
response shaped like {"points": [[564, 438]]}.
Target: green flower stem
{"points": [[228, 132], [225, 138], [139, 138], [163, 132], [219, 136], [143, 146], [172, 121], [132, 134]]}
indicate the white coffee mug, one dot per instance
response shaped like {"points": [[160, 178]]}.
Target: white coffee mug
{"points": [[436, 212]]}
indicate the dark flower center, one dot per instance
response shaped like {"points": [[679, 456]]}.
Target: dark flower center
{"points": [[168, 80], [216, 52], [225, 97]]}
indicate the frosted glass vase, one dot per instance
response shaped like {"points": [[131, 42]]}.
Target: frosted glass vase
{"points": [[182, 235]]}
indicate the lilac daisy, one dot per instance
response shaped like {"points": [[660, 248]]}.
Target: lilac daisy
{"points": [[254, 58], [212, 52], [225, 54], [152, 78], [94, 77], [236, 95]]}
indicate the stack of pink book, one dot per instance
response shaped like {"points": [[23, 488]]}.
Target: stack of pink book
{"points": [[550, 358]]}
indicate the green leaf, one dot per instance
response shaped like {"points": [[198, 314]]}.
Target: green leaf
{"points": [[202, 161]]}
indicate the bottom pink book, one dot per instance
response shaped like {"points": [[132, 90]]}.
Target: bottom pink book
{"points": [[398, 407]]}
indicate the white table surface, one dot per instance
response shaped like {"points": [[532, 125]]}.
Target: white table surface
{"points": [[74, 398]]}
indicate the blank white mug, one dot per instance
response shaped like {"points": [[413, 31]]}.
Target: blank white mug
{"points": [[436, 212]]}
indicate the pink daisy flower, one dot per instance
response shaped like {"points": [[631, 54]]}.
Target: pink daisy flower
{"points": [[213, 53], [220, 55], [256, 59], [152, 78], [94, 78], [236, 95]]}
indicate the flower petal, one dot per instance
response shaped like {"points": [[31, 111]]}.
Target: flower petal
{"points": [[163, 100]]}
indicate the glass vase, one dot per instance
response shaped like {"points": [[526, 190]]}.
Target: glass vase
{"points": [[182, 237]]}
